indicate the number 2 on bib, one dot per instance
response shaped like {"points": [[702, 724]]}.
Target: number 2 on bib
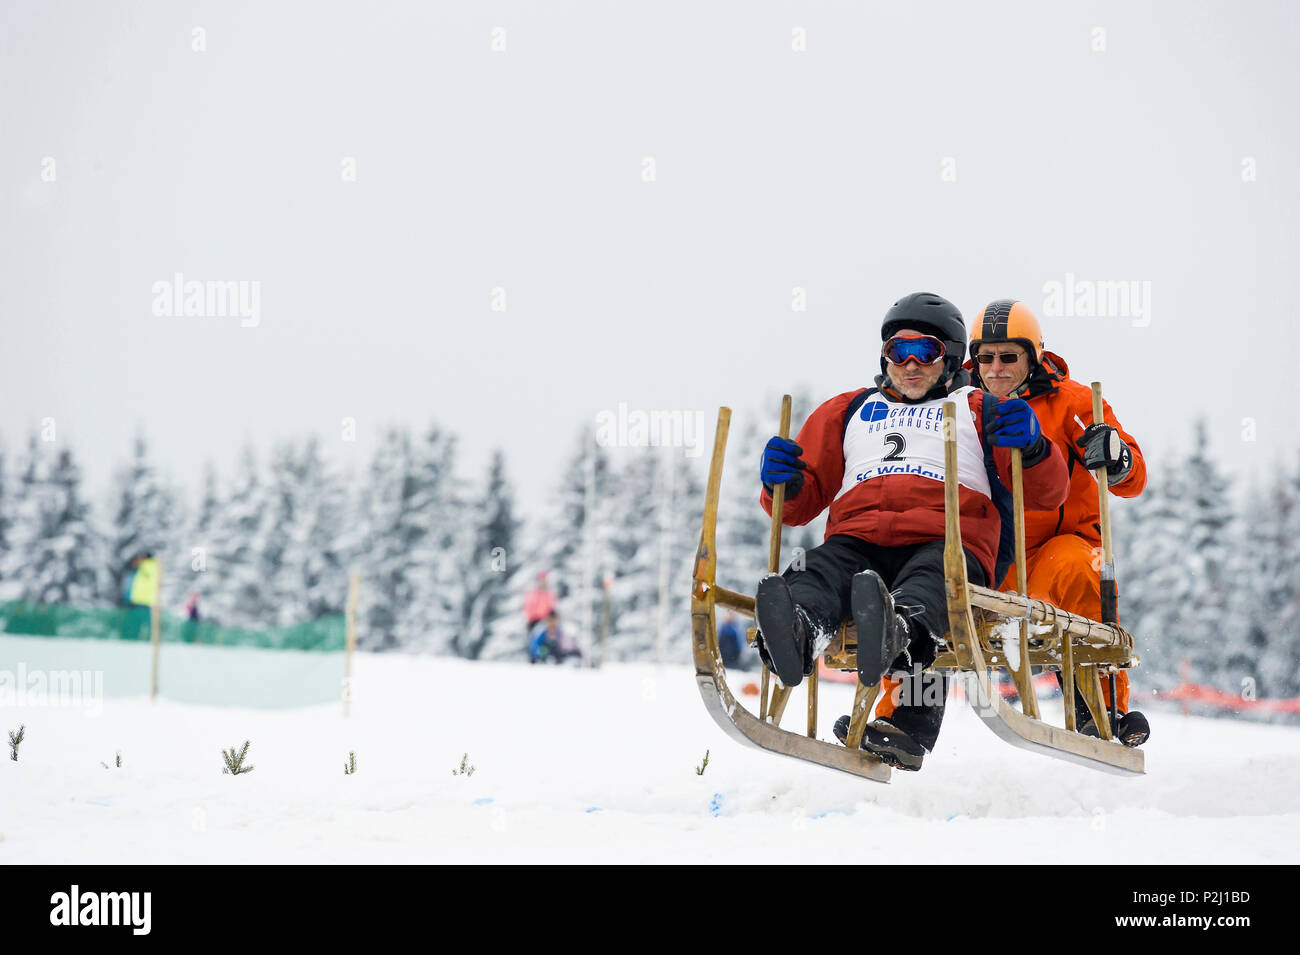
{"points": [[896, 447]]}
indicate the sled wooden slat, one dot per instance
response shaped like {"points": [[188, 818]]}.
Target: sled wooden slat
{"points": [[1045, 650], [734, 601], [1041, 612], [1045, 659]]}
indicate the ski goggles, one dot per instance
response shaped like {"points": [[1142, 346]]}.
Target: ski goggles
{"points": [[924, 348]]}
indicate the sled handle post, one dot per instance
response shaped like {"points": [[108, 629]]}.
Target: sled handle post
{"points": [[1109, 593], [812, 700], [951, 506], [954, 560], [703, 598], [706, 558], [778, 498], [1067, 676], [961, 631], [1103, 503], [155, 636], [1022, 672], [774, 542], [350, 644]]}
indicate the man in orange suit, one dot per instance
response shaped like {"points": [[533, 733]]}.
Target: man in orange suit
{"points": [[1062, 546]]}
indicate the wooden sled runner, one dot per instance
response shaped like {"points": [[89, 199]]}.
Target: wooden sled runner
{"points": [[987, 628]]}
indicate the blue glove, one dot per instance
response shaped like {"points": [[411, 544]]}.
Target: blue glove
{"points": [[782, 465], [1014, 425]]}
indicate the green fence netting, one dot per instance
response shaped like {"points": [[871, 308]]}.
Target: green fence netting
{"points": [[132, 623]]}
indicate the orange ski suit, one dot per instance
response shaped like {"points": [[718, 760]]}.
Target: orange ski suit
{"points": [[1063, 547]]}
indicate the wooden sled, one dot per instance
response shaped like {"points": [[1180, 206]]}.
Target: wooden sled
{"points": [[987, 629]]}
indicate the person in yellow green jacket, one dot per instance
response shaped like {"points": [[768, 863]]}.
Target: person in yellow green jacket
{"points": [[140, 594]]}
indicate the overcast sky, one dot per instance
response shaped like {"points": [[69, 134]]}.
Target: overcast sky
{"points": [[648, 184]]}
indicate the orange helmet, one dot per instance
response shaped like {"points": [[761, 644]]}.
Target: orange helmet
{"points": [[1007, 320]]}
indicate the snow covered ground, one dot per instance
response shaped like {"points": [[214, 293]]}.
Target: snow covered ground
{"points": [[600, 766]]}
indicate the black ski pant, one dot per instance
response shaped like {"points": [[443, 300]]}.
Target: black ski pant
{"points": [[914, 575]]}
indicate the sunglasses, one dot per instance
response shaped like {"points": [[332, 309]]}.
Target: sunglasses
{"points": [[925, 349], [1007, 357]]}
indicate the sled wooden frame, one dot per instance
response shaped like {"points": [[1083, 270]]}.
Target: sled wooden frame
{"points": [[1080, 648]]}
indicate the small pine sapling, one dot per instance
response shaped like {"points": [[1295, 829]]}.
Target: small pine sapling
{"points": [[699, 770], [465, 768], [14, 740], [235, 763], [350, 766], [118, 763]]}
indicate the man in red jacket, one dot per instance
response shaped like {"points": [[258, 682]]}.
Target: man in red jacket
{"points": [[875, 456]]}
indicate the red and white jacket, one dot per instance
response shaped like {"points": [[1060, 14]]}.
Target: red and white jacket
{"points": [[881, 473]]}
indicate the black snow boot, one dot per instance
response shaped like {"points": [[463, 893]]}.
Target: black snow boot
{"points": [[886, 741], [785, 637], [1133, 728], [883, 633]]}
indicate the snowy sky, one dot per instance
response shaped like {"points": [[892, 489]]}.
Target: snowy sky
{"points": [[648, 184]]}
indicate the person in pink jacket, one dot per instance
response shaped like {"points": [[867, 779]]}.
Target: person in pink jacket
{"points": [[539, 603]]}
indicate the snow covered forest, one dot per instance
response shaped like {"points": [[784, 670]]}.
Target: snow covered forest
{"points": [[1209, 574], [445, 556]]}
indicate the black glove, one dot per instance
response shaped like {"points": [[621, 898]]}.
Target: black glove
{"points": [[1103, 447]]}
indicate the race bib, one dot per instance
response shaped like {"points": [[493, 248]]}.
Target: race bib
{"points": [[886, 437]]}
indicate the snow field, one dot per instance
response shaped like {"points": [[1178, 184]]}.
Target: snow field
{"points": [[599, 766]]}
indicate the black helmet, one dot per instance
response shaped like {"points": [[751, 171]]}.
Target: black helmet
{"points": [[928, 312]]}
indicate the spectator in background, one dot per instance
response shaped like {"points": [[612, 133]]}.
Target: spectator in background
{"points": [[191, 633], [539, 603], [731, 643], [550, 643], [140, 594]]}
